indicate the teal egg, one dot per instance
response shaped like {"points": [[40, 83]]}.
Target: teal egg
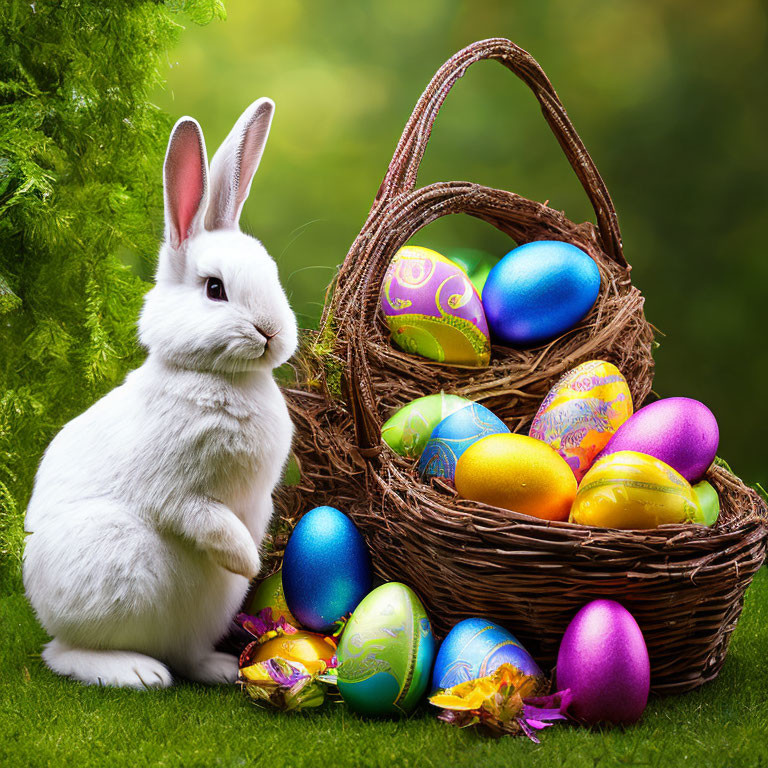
{"points": [[386, 652], [326, 568], [538, 291], [453, 435]]}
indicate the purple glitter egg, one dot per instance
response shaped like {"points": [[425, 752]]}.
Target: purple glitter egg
{"points": [[604, 661], [678, 430]]}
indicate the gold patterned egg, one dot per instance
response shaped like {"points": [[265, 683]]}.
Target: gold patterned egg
{"points": [[582, 411], [633, 490], [307, 648]]}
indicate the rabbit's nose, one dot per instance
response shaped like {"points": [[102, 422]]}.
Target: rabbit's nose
{"points": [[265, 334]]}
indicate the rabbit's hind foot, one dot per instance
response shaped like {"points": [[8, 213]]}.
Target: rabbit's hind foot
{"points": [[213, 669], [121, 669]]}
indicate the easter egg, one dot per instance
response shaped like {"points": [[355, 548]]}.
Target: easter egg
{"points": [[709, 502], [519, 473], [386, 652], [432, 309], [453, 435], [604, 661], [408, 430], [326, 568], [678, 430], [311, 650], [538, 291], [480, 277], [634, 490], [475, 648], [269, 594], [477, 264], [582, 411]]}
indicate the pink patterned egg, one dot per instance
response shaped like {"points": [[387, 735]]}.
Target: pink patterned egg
{"points": [[432, 309]]}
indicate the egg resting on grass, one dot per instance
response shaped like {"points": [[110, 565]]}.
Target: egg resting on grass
{"points": [[326, 568], [604, 662], [386, 653], [475, 648]]}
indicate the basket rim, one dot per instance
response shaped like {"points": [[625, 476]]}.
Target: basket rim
{"points": [[438, 494]]}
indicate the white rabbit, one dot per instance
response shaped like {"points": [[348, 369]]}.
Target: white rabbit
{"points": [[148, 509]]}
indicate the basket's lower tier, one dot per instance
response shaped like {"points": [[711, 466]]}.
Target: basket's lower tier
{"points": [[686, 591]]}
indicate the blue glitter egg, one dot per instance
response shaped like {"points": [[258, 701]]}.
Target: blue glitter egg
{"points": [[538, 291], [475, 648], [326, 568], [453, 435]]}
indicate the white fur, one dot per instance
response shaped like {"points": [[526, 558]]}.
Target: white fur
{"points": [[148, 508]]}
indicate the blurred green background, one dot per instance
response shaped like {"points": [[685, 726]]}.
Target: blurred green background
{"points": [[669, 96]]}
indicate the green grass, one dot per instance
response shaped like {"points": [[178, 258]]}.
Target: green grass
{"points": [[45, 721]]}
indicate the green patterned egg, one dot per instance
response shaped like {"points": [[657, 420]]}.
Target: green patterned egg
{"points": [[408, 430], [386, 652]]}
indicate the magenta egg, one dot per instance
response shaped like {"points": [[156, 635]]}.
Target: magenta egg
{"points": [[604, 661], [678, 430]]}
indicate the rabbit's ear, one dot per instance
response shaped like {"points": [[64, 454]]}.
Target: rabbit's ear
{"points": [[185, 182], [235, 163]]}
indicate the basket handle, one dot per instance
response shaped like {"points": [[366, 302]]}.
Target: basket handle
{"points": [[403, 170]]}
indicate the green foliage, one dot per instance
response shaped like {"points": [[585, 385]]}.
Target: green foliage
{"points": [[81, 150]]}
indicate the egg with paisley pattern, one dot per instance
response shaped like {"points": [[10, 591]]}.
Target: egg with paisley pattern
{"points": [[386, 652], [475, 648], [582, 412], [453, 435], [432, 309]]}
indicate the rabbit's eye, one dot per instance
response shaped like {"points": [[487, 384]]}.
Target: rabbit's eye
{"points": [[214, 289]]}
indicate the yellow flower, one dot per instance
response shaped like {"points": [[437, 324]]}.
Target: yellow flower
{"points": [[474, 694]]}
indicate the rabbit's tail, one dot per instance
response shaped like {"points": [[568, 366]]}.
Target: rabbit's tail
{"points": [[123, 669]]}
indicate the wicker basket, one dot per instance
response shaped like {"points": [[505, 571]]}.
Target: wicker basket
{"points": [[684, 584]]}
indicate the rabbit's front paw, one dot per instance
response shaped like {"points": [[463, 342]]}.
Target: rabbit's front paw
{"points": [[237, 552]]}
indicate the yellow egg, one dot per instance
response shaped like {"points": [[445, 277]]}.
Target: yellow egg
{"points": [[518, 473], [633, 490], [309, 649]]}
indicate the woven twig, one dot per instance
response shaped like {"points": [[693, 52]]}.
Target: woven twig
{"points": [[684, 584]]}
